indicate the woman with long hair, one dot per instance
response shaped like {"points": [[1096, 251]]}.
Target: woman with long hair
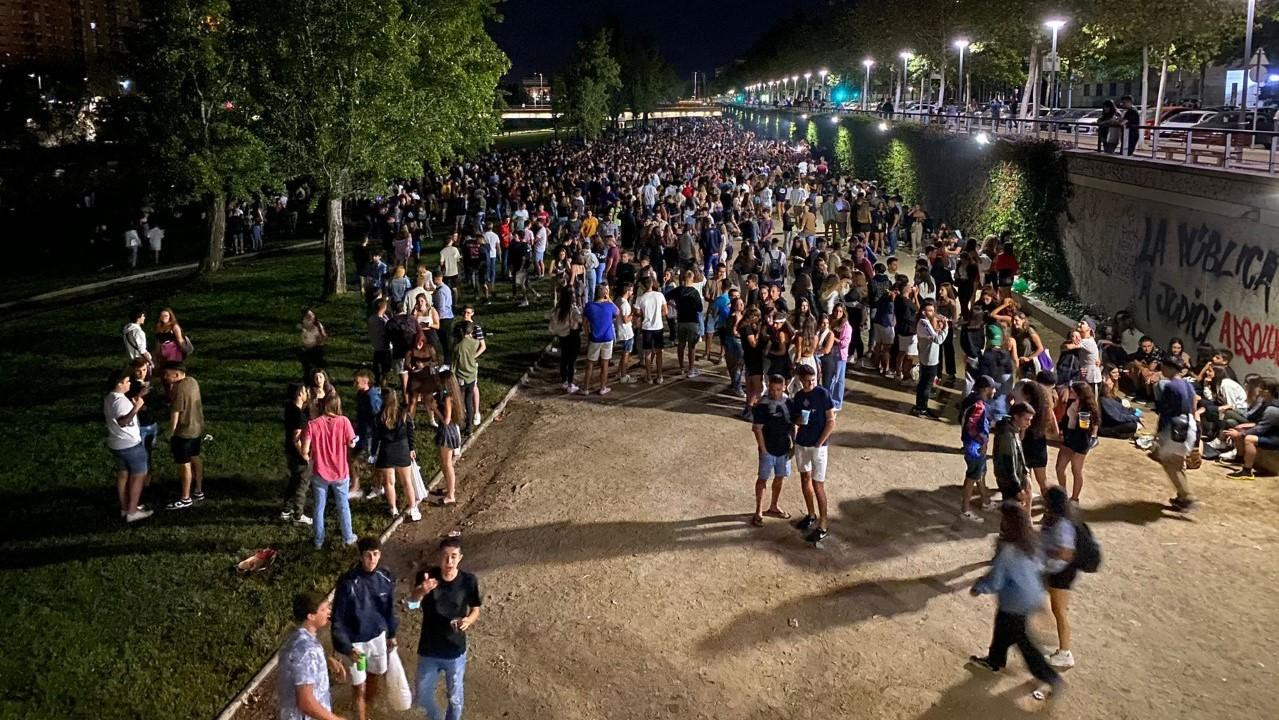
{"points": [[313, 337], [1015, 579], [856, 304], [1057, 535], [835, 357], [396, 453], [566, 326], [754, 342], [447, 410], [1034, 442], [948, 307], [1030, 357], [1079, 434], [170, 343], [325, 444], [420, 380]]}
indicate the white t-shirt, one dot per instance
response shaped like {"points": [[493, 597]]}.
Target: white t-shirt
{"points": [[1233, 394], [540, 243], [449, 258], [155, 237], [120, 438], [1092, 371], [623, 330], [650, 307], [494, 243]]}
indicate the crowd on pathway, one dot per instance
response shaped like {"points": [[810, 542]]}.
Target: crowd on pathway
{"points": [[740, 251]]}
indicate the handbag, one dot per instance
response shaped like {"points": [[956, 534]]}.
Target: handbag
{"points": [[398, 693], [419, 486], [187, 347]]}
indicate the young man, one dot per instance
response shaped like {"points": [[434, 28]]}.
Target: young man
{"points": [[1012, 475], [450, 601], [688, 312], [598, 318], [652, 309], [1175, 403], [368, 403], [475, 261], [466, 368], [186, 429], [376, 275], [1262, 436], [364, 623], [774, 429], [974, 433], [380, 341], [295, 419], [493, 243], [450, 259], [813, 413], [302, 681], [933, 330], [124, 439], [443, 302], [135, 338]]}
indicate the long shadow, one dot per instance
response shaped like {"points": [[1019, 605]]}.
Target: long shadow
{"points": [[847, 605], [887, 441], [899, 520], [972, 698], [1136, 512]]}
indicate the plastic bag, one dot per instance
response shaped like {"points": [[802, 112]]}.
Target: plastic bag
{"points": [[398, 693], [419, 485]]}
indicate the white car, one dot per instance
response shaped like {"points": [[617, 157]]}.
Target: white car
{"points": [[1087, 123], [1184, 119]]}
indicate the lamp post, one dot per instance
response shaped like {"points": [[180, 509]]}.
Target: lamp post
{"points": [[905, 55], [1247, 59], [808, 86], [866, 82], [821, 89], [962, 44], [794, 87], [1054, 24]]}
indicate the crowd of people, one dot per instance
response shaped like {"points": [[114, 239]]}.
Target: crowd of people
{"points": [[743, 252]]}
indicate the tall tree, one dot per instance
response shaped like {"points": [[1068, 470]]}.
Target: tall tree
{"points": [[358, 92], [189, 65], [582, 92]]}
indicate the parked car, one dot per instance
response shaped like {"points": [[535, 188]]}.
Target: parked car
{"points": [[1239, 120], [1170, 129]]}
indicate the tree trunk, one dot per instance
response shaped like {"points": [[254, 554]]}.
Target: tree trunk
{"points": [[941, 83], [334, 253], [215, 232], [1028, 88], [1163, 78], [1145, 83]]}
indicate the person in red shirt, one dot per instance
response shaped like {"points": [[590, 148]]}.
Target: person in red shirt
{"points": [[325, 443], [1005, 268]]}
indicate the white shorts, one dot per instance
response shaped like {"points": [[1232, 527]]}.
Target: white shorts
{"points": [[883, 335], [908, 344], [376, 650], [599, 351], [811, 460]]}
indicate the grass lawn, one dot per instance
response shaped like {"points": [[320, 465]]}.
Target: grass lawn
{"points": [[150, 621]]}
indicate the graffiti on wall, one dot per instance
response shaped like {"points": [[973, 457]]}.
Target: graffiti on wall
{"points": [[1201, 248]]}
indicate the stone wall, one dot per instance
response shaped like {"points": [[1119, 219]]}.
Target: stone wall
{"points": [[1192, 252]]}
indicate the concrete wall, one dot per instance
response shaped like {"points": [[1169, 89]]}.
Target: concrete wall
{"points": [[1192, 252]]}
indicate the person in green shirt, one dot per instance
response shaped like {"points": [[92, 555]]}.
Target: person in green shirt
{"points": [[466, 368]]}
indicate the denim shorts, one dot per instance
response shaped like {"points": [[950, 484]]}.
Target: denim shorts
{"points": [[773, 465], [976, 467], [132, 460]]}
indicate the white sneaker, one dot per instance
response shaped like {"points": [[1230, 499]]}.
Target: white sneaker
{"points": [[376, 492], [284, 514], [572, 389], [628, 380], [303, 520], [356, 494], [1228, 455], [415, 514], [1062, 659], [478, 418], [1221, 444], [971, 517], [137, 515], [991, 504], [694, 373]]}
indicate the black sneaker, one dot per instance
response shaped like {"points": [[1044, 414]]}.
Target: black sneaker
{"points": [[932, 415], [1180, 505], [817, 536], [179, 504], [982, 662], [805, 522], [197, 496]]}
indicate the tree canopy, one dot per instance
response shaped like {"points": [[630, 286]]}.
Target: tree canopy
{"points": [[582, 92]]}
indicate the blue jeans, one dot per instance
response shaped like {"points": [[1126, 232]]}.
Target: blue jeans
{"points": [[428, 674], [835, 384], [892, 242], [320, 491]]}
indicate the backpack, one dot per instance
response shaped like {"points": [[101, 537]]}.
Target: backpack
{"points": [[402, 331], [776, 266], [1087, 551]]}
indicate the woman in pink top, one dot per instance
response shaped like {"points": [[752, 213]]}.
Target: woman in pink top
{"points": [[325, 443]]}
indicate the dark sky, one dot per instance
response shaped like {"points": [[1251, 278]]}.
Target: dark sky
{"points": [[539, 35]]}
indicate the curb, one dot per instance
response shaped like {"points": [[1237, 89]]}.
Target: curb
{"points": [[1048, 316], [240, 701]]}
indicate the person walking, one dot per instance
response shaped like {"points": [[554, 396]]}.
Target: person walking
{"points": [[302, 681], [1079, 428], [1012, 476], [1057, 536], [1177, 430], [447, 410], [124, 440], [813, 413], [364, 622], [450, 600], [566, 327], [324, 445], [186, 431], [1015, 579]]}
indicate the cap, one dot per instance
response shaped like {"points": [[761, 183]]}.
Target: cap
{"points": [[984, 382]]}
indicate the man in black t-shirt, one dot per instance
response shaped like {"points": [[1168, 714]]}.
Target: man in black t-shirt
{"points": [[1132, 124], [774, 436], [295, 420], [688, 315], [450, 602]]}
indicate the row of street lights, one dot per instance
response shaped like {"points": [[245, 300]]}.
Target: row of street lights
{"points": [[794, 83], [962, 44]]}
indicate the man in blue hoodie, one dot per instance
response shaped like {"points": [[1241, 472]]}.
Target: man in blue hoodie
{"points": [[364, 622]]}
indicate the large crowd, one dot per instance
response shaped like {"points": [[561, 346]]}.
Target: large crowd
{"points": [[741, 252]]}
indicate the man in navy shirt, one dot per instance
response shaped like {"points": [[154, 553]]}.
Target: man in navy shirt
{"points": [[1175, 403], [774, 436], [813, 412], [597, 319], [712, 243]]}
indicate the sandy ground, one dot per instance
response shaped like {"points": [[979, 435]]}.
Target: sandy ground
{"points": [[621, 579]]}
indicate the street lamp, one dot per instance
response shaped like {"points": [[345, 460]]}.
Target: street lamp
{"points": [[821, 91], [1247, 59], [808, 85], [866, 83], [962, 44], [905, 55], [1054, 24], [794, 86]]}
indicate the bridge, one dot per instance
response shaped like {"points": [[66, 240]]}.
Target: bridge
{"points": [[679, 110]]}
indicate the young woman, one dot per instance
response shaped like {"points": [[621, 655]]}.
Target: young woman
{"points": [[398, 288], [1118, 418], [317, 388], [779, 341], [858, 311], [447, 410], [948, 307], [325, 444], [624, 332], [169, 341], [1034, 442], [396, 453], [754, 342], [836, 356], [1015, 578], [313, 337], [420, 379], [1079, 434], [1030, 355], [566, 326], [1057, 536]]}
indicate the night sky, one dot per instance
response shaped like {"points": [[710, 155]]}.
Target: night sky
{"points": [[539, 35]]}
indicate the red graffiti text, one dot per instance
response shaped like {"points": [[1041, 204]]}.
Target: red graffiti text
{"points": [[1249, 340]]}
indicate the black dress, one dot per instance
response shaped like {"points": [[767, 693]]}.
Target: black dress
{"points": [[394, 445]]}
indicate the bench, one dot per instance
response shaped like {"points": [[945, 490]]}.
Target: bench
{"points": [[1218, 155]]}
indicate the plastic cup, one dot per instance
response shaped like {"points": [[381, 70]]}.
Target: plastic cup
{"points": [[1085, 420], [804, 415]]}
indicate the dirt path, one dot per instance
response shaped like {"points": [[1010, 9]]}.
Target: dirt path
{"points": [[622, 581]]}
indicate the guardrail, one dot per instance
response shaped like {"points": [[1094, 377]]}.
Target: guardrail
{"points": [[1223, 147]]}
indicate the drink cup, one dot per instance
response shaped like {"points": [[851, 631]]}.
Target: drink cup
{"points": [[1085, 420], [804, 415]]}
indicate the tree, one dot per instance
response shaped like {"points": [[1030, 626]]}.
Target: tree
{"points": [[189, 68], [358, 92], [581, 93]]}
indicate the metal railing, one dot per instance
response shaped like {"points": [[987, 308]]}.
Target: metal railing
{"points": [[1223, 147]]}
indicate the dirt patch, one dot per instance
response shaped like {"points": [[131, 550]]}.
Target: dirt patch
{"points": [[621, 579]]}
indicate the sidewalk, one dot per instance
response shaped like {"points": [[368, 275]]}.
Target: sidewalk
{"points": [[173, 271]]}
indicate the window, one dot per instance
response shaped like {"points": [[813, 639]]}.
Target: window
{"points": [[1127, 88], [1113, 88]]}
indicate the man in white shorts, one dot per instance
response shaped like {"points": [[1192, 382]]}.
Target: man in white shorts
{"points": [[364, 622], [814, 414]]}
